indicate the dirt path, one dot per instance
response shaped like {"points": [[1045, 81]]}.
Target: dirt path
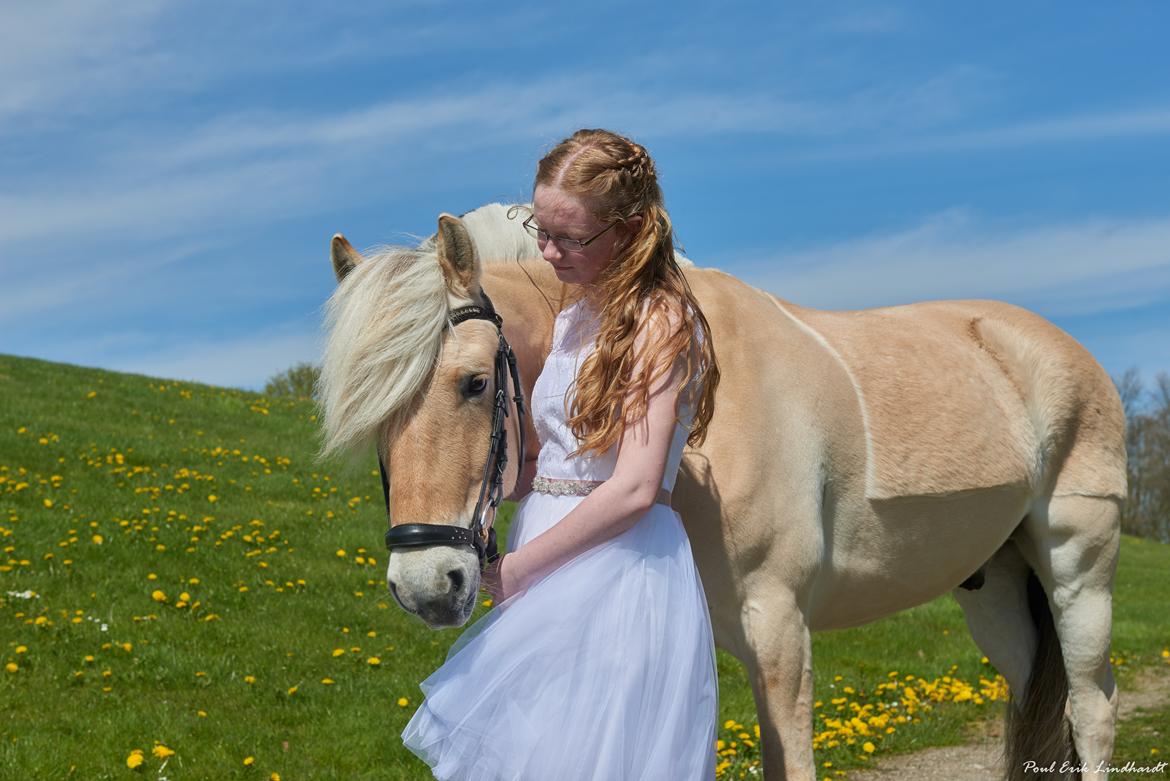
{"points": [[982, 758]]}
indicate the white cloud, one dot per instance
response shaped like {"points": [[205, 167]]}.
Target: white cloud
{"points": [[1065, 269]]}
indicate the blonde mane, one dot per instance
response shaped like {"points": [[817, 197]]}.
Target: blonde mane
{"points": [[386, 323]]}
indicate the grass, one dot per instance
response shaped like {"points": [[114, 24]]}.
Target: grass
{"points": [[179, 572]]}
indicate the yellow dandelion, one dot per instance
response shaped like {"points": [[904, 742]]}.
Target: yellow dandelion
{"points": [[274, 776], [338, 652], [22, 649], [158, 595], [135, 759], [212, 498], [373, 661], [98, 539], [249, 679], [201, 714], [12, 667], [341, 553], [327, 681], [48, 503], [403, 702], [292, 690], [162, 752], [868, 747], [249, 761]]}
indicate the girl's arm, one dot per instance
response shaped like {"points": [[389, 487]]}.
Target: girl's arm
{"points": [[619, 502]]}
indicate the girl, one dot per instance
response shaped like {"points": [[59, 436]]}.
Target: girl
{"points": [[598, 660]]}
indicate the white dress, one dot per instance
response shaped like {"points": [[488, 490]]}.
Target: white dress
{"points": [[603, 670]]}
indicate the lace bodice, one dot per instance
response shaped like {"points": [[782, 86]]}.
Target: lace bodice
{"points": [[574, 334]]}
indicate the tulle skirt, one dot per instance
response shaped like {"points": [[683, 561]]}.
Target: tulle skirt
{"points": [[603, 670]]}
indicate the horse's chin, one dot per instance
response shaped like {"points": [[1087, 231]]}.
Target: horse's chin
{"points": [[456, 617]]}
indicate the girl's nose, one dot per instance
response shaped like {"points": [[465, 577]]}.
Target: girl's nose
{"points": [[551, 251]]}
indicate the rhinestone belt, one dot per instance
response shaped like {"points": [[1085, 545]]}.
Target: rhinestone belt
{"points": [[564, 487]]}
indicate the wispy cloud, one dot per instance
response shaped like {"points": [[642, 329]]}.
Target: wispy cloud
{"points": [[868, 19], [63, 55], [1063, 269], [1111, 125], [83, 286], [1124, 123], [247, 164]]}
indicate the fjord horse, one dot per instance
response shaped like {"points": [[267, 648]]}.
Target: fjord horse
{"points": [[859, 463]]}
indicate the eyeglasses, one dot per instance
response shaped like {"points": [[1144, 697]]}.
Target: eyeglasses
{"points": [[569, 245]]}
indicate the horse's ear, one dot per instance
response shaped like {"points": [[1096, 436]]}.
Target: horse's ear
{"points": [[344, 256], [457, 256]]}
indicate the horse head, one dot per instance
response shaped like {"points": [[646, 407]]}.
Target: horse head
{"points": [[399, 375]]}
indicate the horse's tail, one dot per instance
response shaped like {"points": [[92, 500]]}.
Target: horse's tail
{"points": [[1036, 730]]}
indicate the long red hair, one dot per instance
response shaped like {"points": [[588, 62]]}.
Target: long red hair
{"points": [[643, 284]]}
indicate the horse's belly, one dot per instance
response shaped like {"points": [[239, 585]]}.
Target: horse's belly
{"points": [[894, 554]]}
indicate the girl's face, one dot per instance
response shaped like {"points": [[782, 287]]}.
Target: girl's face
{"points": [[564, 215]]}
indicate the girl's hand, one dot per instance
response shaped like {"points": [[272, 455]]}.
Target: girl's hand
{"points": [[503, 577]]}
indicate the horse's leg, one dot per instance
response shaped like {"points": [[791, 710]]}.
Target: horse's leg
{"points": [[1074, 543], [998, 617], [779, 664]]}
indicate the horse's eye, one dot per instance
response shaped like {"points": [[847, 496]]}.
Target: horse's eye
{"points": [[477, 385]]}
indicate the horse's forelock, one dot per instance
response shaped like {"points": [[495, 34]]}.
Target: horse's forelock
{"points": [[385, 328]]}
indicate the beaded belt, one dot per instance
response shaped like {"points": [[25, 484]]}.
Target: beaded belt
{"points": [[563, 487]]}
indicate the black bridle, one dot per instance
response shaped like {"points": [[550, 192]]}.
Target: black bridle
{"points": [[491, 488]]}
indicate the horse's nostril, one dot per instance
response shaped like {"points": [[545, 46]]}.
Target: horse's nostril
{"points": [[456, 577], [393, 589]]}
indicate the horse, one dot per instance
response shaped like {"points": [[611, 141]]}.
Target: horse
{"points": [[859, 463]]}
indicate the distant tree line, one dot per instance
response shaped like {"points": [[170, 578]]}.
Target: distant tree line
{"points": [[1147, 443], [296, 383]]}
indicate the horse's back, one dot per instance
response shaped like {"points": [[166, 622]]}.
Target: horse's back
{"points": [[967, 395]]}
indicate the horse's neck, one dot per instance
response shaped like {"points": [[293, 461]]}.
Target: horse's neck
{"points": [[528, 296]]}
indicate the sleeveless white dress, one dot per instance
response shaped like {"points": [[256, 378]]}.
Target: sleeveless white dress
{"points": [[603, 670]]}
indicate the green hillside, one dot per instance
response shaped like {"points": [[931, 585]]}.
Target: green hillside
{"points": [[185, 592]]}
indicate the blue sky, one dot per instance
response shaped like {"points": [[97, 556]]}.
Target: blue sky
{"points": [[170, 173]]}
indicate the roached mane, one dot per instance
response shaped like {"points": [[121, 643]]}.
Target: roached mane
{"points": [[386, 323]]}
